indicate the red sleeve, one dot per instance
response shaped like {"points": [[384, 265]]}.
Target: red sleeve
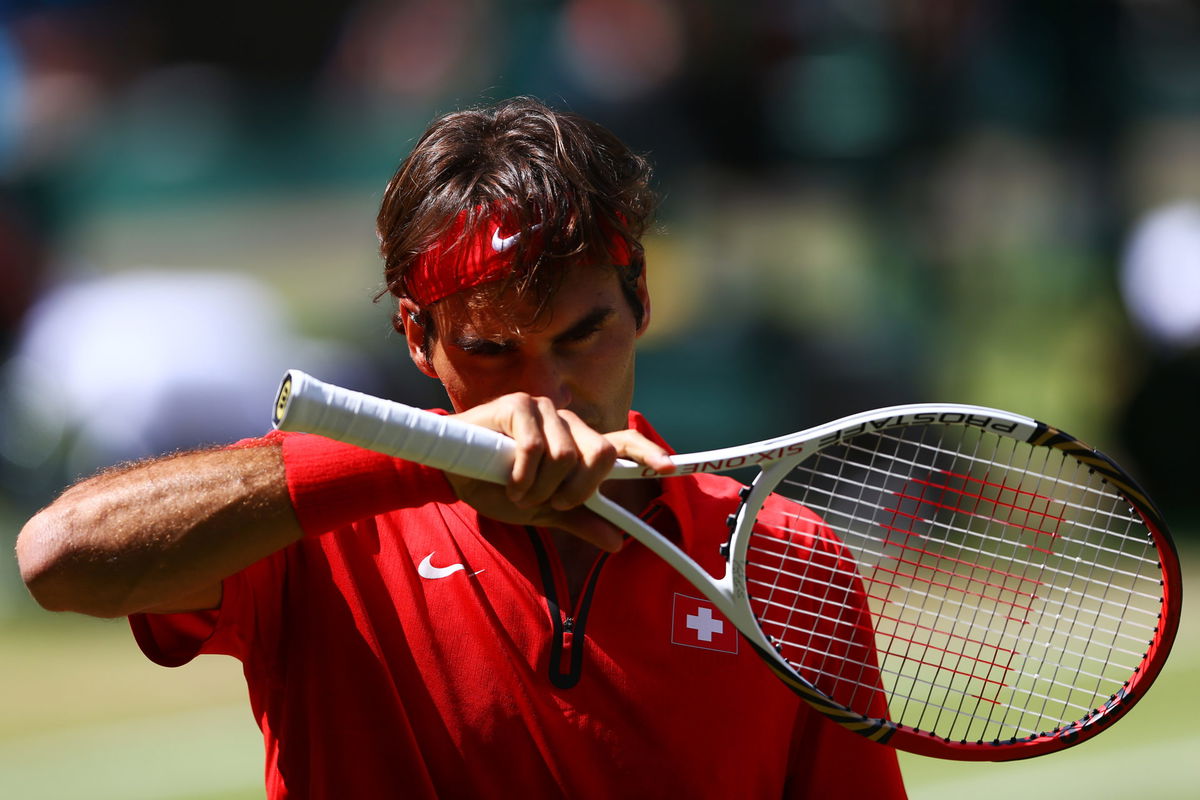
{"points": [[249, 602], [331, 485], [334, 484]]}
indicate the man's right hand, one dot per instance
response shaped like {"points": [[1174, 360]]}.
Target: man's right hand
{"points": [[560, 462]]}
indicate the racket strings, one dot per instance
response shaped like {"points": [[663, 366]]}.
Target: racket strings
{"points": [[998, 660], [1009, 591], [804, 626], [1089, 548], [835, 621], [794, 602], [1098, 493], [1098, 688], [1080, 594]]}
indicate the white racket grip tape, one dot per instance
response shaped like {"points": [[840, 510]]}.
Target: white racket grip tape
{"points": [[308, 405]]}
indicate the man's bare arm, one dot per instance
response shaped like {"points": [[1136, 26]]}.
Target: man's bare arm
{"points": [[158, 536]]}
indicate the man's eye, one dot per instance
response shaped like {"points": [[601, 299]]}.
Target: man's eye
{"points": [[583, 334], [485, 348]]}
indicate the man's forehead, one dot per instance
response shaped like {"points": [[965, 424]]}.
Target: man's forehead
{"points": [[502, 310], [490, 312]]}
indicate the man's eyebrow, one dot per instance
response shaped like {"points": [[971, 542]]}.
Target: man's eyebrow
{"points": [[586, 324], [474, 343], [477, 343]]}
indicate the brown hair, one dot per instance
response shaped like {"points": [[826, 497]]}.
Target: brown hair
{"points": [[567, 175]]}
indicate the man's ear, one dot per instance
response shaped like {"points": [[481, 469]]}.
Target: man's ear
{"points": [[411, 321], [643, 295]]}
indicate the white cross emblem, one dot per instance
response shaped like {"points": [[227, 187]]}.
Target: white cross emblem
{"points": [[704, 625]]}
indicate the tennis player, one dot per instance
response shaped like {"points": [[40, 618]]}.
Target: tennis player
{"points": [[408, 632]]}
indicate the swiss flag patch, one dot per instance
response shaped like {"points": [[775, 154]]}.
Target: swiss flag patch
{"points": [[695, 622]]}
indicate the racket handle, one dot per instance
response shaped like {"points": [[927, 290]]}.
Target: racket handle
{"points": [[312, 406]]}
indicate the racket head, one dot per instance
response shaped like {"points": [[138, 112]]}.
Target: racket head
{"points": [[958, 582]]}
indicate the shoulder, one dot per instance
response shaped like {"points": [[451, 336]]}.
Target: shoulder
{"points": [[701, 497], [805, 529], [722, 490], [717, 487]]}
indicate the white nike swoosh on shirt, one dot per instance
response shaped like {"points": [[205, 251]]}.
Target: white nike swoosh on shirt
{"points": [[426, 569]]}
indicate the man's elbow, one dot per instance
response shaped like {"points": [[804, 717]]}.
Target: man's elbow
{"points": [[55, 569]]}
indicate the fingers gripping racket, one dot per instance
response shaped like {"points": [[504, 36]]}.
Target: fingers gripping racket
{"points": [[955, 581]]}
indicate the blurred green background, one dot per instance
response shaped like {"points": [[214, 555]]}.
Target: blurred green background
{"points": [[865, 202]]}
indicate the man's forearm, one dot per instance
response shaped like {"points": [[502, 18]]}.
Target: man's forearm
{"points": [[158, 536]]}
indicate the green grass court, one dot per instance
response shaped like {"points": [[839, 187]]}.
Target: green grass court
{"points": [[84, 715]]}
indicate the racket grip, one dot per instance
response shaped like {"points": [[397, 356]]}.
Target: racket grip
{"points": [[308, 405]]}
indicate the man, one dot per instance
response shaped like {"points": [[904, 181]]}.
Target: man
{"points": [[408, 632]]}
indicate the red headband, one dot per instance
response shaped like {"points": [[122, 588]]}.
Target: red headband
{"points": [[454, 263]]}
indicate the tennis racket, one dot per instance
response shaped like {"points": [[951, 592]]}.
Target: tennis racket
{"points": [[954, 581]]}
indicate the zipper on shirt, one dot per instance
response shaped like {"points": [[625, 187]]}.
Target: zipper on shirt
{"points": [[564, 659], [568, 639]]}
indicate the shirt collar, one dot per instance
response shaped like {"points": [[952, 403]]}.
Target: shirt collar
{"points": [[673, 492]]}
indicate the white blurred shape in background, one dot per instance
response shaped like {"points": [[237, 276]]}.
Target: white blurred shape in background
{"points": [[1160, 275], [145, 362]]}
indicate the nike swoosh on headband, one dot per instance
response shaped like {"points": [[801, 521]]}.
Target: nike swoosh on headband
{"points": [[502, 243]]}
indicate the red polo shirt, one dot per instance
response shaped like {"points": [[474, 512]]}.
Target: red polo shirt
{"points": [[427, 651]]}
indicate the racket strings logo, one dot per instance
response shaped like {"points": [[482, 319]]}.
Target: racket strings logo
{"points": [[696, 622]]}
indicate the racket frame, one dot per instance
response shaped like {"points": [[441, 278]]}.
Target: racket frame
{"points": [[306, 404]]}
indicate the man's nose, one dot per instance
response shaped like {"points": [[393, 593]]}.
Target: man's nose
{"points": [[545, 376]]}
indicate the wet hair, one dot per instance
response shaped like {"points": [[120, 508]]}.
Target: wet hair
{"points": [[558, 173]]}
